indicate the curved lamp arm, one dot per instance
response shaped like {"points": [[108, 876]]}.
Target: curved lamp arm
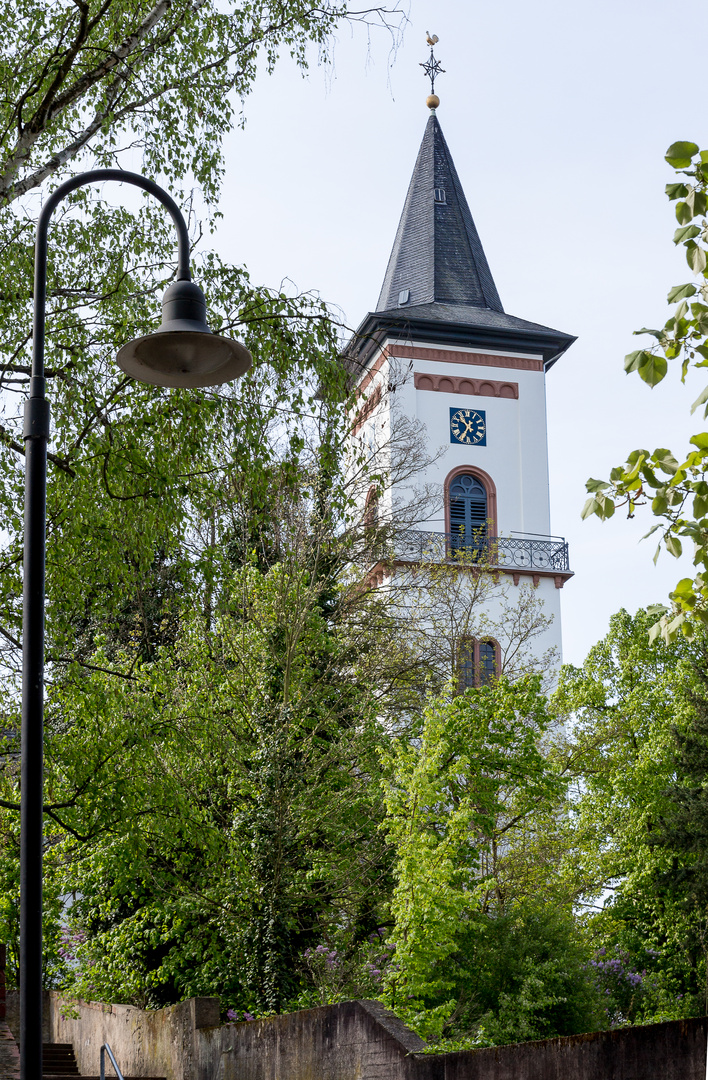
{"points": [[96, 176]]}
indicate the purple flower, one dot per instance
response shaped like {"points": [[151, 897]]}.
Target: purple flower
{"points": [[248, 1016]]}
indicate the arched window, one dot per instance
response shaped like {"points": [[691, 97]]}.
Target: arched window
{"points": [[477, 662], [467, 512], [487, 668], [371, 509]]}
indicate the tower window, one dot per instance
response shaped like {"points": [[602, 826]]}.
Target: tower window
{"points": [[371, 509], [477, 662], [403, 297], [468, 513], [439, 195]]}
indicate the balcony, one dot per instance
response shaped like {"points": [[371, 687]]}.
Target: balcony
{"points": [[520, 553]]}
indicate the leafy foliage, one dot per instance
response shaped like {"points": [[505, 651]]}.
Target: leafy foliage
{"points": [[628, 702], [675, 486], [463, 801]]}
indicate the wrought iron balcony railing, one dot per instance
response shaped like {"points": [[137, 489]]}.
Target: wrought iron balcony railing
{"points": [[527, 552]]}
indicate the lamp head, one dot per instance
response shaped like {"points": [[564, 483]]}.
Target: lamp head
{"points": [[184, 351]]}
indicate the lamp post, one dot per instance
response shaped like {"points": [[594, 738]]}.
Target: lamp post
{"points": [[183, 352]]}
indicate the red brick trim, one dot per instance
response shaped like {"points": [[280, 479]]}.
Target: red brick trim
{"points": [[381, 570], [489, 486], [378, 572], [453, 384], [455, 356], [373, 370], [366, 410]]}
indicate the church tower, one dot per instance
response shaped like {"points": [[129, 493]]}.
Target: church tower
{"points": [[474, 384]]}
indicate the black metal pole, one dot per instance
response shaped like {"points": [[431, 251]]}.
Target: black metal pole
{"points": [[36, 436]]}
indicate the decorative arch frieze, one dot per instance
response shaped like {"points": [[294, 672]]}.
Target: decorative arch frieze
{"points": [[453, 384]]}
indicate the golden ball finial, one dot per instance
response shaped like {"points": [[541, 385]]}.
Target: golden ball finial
{"points": [[432, 101]]}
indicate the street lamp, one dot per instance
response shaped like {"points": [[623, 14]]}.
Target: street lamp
{"points": [[183, 352]]}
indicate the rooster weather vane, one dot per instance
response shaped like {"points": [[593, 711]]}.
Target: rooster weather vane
{"points": [[432, 67]]}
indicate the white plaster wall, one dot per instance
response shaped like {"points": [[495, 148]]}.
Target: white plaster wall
{"points": [[515, 455], [494, 613]]}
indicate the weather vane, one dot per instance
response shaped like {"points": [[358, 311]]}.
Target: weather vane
{"points": [[432, 69]]}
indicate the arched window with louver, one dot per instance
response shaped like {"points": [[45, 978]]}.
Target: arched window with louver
{"points": [[487, 662], [468, 512], [477, 662]]}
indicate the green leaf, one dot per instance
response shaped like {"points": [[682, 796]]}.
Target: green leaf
{"points": [[684, 589], [683, 213], [687, 232], [676, 191], [695, 257], [665, 460], [657, 334], [700, 400], [652, 369], [679, 292], [700, 507], [680, 154], [596, 485], [631, 360], [599, 504], [696, 202], [673, 546]]}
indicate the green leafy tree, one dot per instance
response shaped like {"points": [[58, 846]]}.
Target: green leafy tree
{"points": [[674, 485], [154, 86], [215, 813], [137, 475], [682, 830], [477, 788], [624, 709]]}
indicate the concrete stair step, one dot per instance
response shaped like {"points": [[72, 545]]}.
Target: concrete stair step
{"points": [[58, 1062]]}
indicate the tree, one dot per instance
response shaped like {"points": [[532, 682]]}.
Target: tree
{"points": [[109, 77], [155, 85], [138, 476], [481, 943], [675, 486], [682, 830], [214, 813], [446, 603], [624, 708]]}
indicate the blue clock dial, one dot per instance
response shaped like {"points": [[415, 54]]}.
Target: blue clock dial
{"points": [[468, 427]]}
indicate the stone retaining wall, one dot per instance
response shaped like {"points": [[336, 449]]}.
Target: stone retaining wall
{"points": [[357, 1040]]}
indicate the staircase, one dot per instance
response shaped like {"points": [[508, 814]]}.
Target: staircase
{"points": [[59, 1062]]}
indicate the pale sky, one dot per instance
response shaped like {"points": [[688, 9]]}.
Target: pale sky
{"points": [[557, 116]]}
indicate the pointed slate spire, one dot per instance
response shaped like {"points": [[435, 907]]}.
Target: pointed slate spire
{"points": [[437, 255], [438, 287]]}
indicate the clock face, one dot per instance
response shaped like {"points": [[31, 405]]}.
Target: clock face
{"points": [[468, 426]]}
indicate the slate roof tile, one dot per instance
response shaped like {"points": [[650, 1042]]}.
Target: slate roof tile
{"points": [[437, 253], [438, 259]]}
